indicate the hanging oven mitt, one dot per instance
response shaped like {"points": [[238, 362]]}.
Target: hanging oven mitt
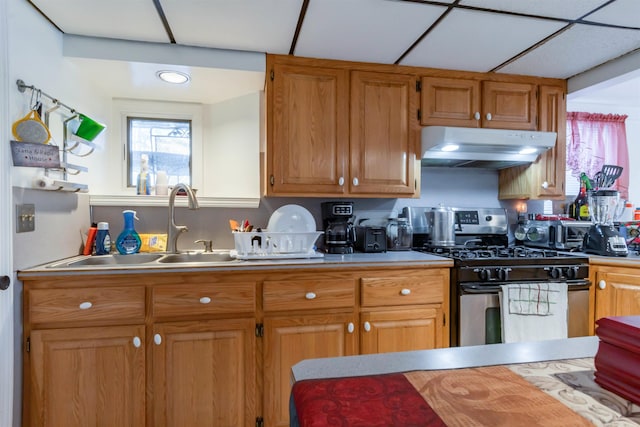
{"points": [[30, 128]]}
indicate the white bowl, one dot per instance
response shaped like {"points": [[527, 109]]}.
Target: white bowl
{"points": [[291, 219]]}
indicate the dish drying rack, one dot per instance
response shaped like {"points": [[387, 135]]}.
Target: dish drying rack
{"points": [[275, 245], [70, 145]]}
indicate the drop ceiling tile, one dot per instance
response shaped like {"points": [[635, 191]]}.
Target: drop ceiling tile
{"points": [[565, 9], [120, 19], [363, 30], [478, 41], [259, 26], [621, 12], [578, 49]]}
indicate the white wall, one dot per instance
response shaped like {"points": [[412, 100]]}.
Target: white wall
{"points": [[633, 137]]}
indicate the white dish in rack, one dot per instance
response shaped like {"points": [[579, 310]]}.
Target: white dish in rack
{"points": [[291, 219]]}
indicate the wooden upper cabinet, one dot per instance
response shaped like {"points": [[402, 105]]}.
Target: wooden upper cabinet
{"points": [[450, 102], [470, 102], [508, 105], [383, 133], [308, 130], [334, 129], [544, 178]]}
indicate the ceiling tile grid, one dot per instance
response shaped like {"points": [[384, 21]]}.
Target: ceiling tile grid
{"points": [[565, 9], [361, 30], [260, 26], [478, 41], [580, 48], [620, 12], [118, 19]]}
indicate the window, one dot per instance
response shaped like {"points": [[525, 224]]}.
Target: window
{"points": [[166, 142]]}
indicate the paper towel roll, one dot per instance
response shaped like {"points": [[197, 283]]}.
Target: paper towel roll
{"points": [[42, 182]]}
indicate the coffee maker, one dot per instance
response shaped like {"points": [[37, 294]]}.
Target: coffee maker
{"points": [[602, 237], [339, 231]]}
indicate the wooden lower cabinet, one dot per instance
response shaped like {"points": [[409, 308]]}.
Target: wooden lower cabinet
{"points": [[204, 373], [617, 291], [87, 377], [293, 338], [400, 330]]}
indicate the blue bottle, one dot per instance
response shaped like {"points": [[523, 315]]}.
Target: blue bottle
{"points": [[128, 241], [103, 239]]}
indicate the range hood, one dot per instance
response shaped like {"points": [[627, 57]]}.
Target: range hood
{"points": [[482, 148]]}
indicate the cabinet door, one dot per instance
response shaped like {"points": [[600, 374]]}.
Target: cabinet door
{"points": [[617, 292], [204, 373], [290, 339], [308, 130], [551, 165], [450, 102], [384, 132], [401, 330], [507, 105], [87, 377]]}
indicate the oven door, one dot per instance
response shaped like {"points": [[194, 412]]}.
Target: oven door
{"points": [[479, 321]]}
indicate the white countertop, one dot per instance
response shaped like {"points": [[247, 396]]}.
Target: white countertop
{"points": [[445, 358], [376, 260]]}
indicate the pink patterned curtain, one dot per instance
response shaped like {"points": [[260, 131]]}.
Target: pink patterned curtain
{"points": [[595, 139]]}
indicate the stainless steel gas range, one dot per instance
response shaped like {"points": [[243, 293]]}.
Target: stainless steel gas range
{"points": [[483, 261]]}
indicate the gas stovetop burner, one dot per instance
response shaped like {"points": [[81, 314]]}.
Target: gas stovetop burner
{"points": [[464, 252]]}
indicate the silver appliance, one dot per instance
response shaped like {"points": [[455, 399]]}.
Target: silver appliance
{"points": [[553, 233], [483, 262], [482, 148]]}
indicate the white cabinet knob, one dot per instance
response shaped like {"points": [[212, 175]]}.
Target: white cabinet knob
{"points": [[405, 291], [477, 115], [137, 342], [367, 326], [489, 116], [355, 182], [602, 284], [341, 181], [157, 339], [85, 305], [545, 185], [205, 300], [310, 295], [351, 327]]}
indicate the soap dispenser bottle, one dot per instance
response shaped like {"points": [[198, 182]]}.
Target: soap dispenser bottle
{"points": [[128, 241]]}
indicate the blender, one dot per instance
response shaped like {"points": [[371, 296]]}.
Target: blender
{"points": [[603, 238]]}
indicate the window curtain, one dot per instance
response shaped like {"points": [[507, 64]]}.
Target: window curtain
{"points": [[594, 140]]}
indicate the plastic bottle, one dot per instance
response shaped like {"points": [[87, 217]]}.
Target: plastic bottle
{"points": [[128, 241], [162, 188], [143, 185], [91, 238], [103, 239]]}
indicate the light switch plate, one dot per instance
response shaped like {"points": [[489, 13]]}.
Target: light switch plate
{"points": [[25, 217]]}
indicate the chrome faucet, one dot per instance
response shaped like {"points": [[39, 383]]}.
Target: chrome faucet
{"points": [[173, 230]]}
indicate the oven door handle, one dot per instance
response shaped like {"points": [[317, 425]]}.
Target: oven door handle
{"points": [[479, 288]]}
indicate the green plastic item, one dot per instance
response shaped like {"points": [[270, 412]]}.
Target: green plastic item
{"points": [[89, 129]]}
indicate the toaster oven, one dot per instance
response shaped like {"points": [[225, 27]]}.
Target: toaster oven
{"points": [[554, 234]]}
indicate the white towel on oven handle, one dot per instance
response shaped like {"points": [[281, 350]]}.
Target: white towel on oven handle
{"points": [[537, 299], [547, 325]]}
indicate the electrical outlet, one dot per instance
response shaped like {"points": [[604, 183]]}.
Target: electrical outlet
{"points": [[25, 217]]}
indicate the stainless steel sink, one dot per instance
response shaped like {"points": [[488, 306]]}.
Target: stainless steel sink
{"points": [[115, 259], [197, 257]]}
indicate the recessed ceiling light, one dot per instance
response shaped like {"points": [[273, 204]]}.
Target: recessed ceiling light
{"points": [[176, 77], [450, 147], [528, 150]]}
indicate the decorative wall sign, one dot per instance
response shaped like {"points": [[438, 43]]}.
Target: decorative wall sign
{"points": [[35, 155]]}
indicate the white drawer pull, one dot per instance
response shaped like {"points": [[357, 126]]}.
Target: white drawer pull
{"points": [[367, 326], [350, 327], [137, 342], [356, 182], [405, 291], [602, 284], [476, 115], [205, 300], [157, 339], [489, 117], [85, 305], [341, 181], [310, 295]]}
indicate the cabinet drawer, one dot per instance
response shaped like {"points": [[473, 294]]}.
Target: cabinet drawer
{"points": [[202, 299], [389, 291], [308, 294], [121, 304]]}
